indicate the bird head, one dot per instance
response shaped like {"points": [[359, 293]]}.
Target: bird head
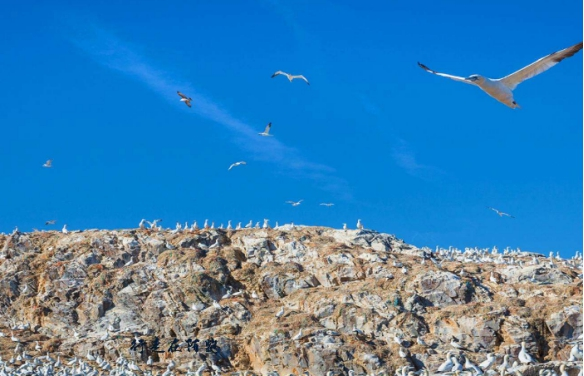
{"points": [[475, 78]]}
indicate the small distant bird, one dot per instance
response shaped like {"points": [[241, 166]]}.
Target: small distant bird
{"points": [[280, 313], [48, 163], [502, 89], [290, 77], [184, 98], [359, 224], [51, 222], [298, 336], [345, 226], [250, 224], [266, 132], [294, 203], [154, 223], [493, 279], [501, 213], [236, 164], [327, 204], [141, 225], [64, 230]]}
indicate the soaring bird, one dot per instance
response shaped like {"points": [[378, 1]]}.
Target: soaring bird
{"points": [[236, 164], [501, 213], [327, 204], [266, 131], [51, 222], [48, 163], [184, 98], [502, 88], [294, 203], [290, 77]]}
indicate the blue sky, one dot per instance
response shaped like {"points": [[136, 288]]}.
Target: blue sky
{"points": [[93, 87]]}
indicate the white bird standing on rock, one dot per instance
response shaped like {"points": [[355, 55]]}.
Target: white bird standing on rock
{"points": [[298, 336], [290, 77], [64, 230], [447, 365], [266, 226], [456, 366], [217, 305], [359, 224], [502, 89], [345, 226], [141, 225], [229, 225], [503, 367], [488, 363], [280, 313], [524, 356], [238, 227], [13, 338], [493, 279], [250, 224]]}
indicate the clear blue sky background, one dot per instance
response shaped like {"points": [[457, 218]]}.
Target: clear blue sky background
{"points": [[93, 87]]}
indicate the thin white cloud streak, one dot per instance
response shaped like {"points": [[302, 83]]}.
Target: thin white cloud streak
{"points": [[112, 52], [405, 158]]}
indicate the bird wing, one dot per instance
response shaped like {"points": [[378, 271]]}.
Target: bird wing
{"points": [[230, 167], [267, 130], [541, 65], [181, 95], [495, 210], [279, 73], [302, 77], [456, 78], [188, 103]]}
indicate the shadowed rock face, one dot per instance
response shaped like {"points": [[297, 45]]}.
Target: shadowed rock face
{"points": [[340, 287]]}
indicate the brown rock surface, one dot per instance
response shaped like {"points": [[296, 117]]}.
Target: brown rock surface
{"points": [[340, 288]]}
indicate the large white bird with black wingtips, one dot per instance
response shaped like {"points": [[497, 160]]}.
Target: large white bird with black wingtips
{"points": [[290, 77], [184, 98], [266, 132], [236, 164], [501, 213], [294, 203], [502, 88]]}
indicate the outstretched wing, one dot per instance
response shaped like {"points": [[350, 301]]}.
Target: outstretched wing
{"points": [[302, 77], [543, 64], [508, 215], [279, 73], [267, 130], [456, 78], [188, 102], [181, 95]]}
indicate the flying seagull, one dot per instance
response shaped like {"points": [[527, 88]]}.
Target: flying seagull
{"points": [[266, 131], [327, 204], [49, 163], [294, 203], [51, 222], [184, 98], [501, 213], [290, 77], [502, 88], [236, 164]]}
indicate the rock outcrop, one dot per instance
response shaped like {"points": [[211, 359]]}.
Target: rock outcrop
{"points": [[346, 296]]}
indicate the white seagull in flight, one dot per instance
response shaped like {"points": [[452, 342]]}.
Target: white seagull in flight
{"points": [[290, 77], [236, 164], [501, 213], [266, 131], [184, 98], [294, 203], [49, 163], [327, 204], [502, 88]]}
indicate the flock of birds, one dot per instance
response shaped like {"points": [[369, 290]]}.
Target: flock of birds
{"points": [[500, 89]]}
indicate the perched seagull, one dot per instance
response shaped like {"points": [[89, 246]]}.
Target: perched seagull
{"points": [[290, 77], [359, 224], [141, 225], [236, 164], [487, 363], [298, 336], [493, 279], [250, 224], [447, 365], [524, 356], [294, 203], [345, 226], [280, 313], [502, 89], [266, 131], [184, 98], [455, 344], [49, 163], [501, 213], [154, 223], [327, 204], [64, 230], [51, 222]]}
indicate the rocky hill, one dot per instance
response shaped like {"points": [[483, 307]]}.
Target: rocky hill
{"points": [[348, 298]]}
